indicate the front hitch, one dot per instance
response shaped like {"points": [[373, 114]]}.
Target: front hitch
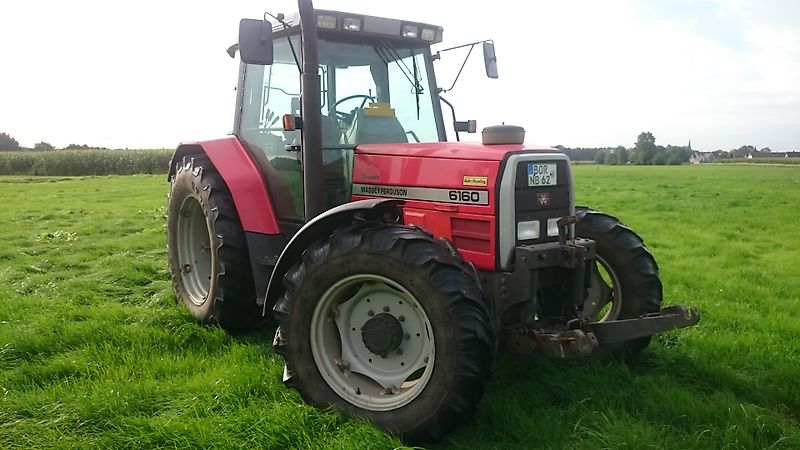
{"points": [[579, 338], [669, 318]]}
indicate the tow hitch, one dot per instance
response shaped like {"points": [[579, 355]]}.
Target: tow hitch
{"points": [[580, 338], [669, 318]]}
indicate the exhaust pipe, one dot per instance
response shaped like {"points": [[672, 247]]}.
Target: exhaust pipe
{"points": [[310, 111]]}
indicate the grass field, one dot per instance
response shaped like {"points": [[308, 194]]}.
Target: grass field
{"points": [[94, 353]]}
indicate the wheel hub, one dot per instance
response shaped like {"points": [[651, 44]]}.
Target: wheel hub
{"points": [[372, 342], [382, 334]]}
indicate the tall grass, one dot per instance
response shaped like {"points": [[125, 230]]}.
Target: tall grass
{"points": [[85, 162]]}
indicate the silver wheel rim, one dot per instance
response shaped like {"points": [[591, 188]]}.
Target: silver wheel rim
{"points": [[604, 301], [365, 379], [194, 250]]}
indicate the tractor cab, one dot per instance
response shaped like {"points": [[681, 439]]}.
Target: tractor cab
{"points": [[377, 85]]}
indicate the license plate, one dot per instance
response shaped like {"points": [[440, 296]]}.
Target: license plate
{"points": [[542, 174]]}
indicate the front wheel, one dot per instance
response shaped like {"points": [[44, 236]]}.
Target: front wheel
{"points": [[384, 322], [624, 279]]}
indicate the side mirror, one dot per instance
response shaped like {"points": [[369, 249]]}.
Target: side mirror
{"points": [[255, 41], [490, 59]]}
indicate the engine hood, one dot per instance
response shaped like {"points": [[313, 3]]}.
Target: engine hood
{"points": [[451, 150]]}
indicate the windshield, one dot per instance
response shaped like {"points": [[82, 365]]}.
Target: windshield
{"points": [[378, 92], [371, 92]]}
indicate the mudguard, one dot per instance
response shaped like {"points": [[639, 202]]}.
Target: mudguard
{"points": [[243, 178], [321, 227]]}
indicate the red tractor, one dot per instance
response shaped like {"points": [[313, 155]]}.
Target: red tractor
{"points": [[396, 264]]}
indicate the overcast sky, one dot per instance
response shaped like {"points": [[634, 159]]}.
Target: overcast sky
{"points": [[146, 74]]}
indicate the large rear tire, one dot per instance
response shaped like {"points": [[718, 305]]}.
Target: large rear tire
{"points": [[208, 256], [625, 278], [387, 323]]}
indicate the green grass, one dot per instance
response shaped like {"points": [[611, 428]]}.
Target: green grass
{"points": [[95, 353]]}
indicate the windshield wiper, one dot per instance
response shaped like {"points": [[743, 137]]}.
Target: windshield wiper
{"points": [[388, 53], [417, 87]]}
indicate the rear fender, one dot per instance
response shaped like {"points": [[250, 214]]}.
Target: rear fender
{"points": [[321, 227], [241, 175]]}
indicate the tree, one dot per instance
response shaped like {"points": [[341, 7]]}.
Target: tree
{"points": [[645, 148], [600, 157], [743, 151], [43, 147], [676, 155], [7, 142], [621, 155]]}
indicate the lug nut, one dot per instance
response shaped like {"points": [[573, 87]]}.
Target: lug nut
{"points": [[401, 318], [399, 351], [370, 313], [385, 309], [406, 336]]}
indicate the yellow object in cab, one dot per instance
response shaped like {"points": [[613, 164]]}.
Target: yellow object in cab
{"points": [[379, 109]]}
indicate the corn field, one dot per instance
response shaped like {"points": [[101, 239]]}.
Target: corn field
{"points": [[85, 162]]}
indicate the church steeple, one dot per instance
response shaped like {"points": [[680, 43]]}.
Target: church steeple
{"points": [[690, 144]]}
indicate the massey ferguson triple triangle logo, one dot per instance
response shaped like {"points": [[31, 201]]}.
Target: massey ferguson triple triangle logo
{"points": [[543, 198]]}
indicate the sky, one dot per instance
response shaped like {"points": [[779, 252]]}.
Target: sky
{"points": [[580, 73]]}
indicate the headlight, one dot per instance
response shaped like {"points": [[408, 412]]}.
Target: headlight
{"points": [[326, 22], [428, 34], [351, 24], [528, 230], [410, 31]]}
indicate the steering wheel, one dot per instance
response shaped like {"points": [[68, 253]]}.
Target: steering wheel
{"points": [[347, 118]]}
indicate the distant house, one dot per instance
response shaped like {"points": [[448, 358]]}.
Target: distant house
{"points": [[701, 157]]}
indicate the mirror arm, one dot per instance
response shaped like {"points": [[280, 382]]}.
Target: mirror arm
{"points": [[453, 110], [458, 75], [462, 46]]}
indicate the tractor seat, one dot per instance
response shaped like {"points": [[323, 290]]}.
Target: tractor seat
{"points": [[331, 134], [375, 124]]}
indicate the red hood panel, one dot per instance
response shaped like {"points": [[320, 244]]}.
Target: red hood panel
{"points": [[450, 150]]}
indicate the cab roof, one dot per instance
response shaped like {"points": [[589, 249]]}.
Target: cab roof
{"points": [[351, 23]]}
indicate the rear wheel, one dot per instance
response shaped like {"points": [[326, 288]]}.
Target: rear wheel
{"points": [[384, 322], [625, 281], [208, 256]]}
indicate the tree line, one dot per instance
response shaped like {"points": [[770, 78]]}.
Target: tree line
{"points": [[646, 152], [9, 144]]}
